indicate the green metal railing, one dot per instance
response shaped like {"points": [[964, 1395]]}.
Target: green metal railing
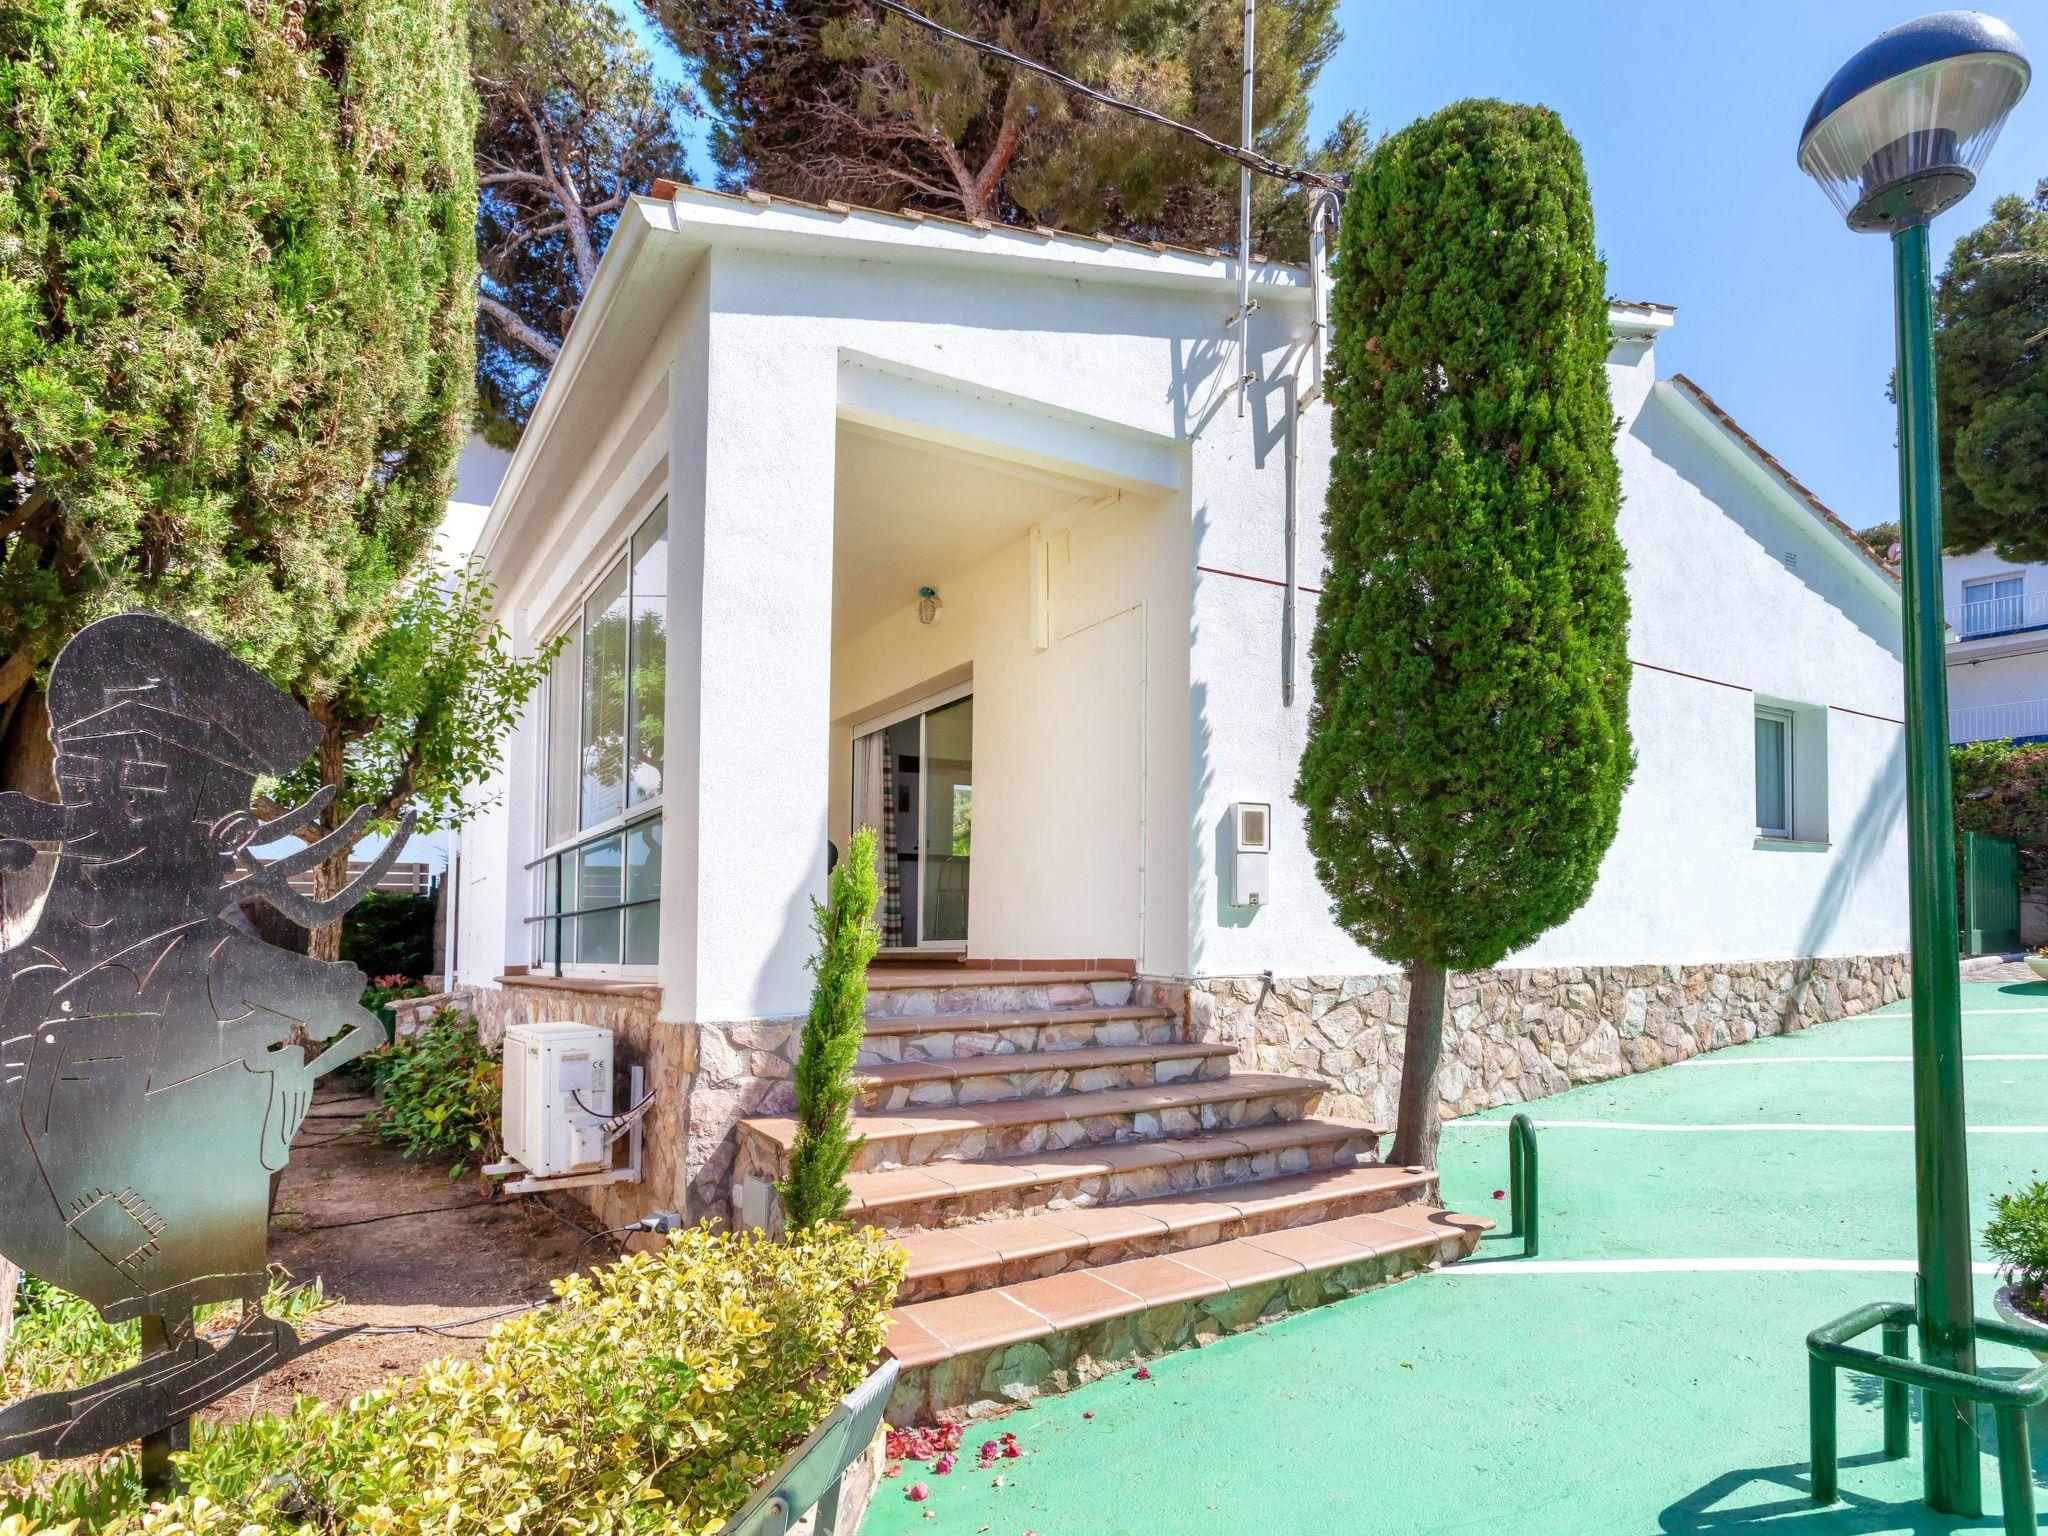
{"points": [[1991, 894], [1829, 1349], [1522, 1182]]}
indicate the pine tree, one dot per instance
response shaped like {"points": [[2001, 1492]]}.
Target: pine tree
{"points": [[1991, 378], [826, 99], [1468, 743], [825, 1147], [573, 123]]}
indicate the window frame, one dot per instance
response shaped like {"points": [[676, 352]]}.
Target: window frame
{"points": [[567, 848], [1992, 602], [1788, 722]]}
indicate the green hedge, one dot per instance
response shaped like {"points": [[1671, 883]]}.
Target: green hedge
{"points": [[2001, 788], [651, 1399]]}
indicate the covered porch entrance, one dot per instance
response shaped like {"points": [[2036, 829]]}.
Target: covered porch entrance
{"points": [[1009, 651]]}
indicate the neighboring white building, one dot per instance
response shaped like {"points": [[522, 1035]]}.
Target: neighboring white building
{"points": [[773, 425], [1997, 615]]}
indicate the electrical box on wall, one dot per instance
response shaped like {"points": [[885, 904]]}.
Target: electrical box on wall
{"points": [[1251, 843], [558, 1098]]}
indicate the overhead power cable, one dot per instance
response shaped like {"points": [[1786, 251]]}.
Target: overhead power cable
{"points": [[1265, 165]]}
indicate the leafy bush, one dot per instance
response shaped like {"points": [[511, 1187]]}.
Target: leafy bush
{"points": [[651, 1399], [385, 990], [390, 931], [2017, 1236], [441, 1090], [61, 1341], [2001, 788], [847, 939]]}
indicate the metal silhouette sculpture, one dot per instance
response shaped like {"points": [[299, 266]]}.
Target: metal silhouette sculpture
{"points": [[157, 1056]]}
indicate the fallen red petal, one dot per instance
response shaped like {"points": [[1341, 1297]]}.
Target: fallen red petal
{"points": [[1142, 1373]]}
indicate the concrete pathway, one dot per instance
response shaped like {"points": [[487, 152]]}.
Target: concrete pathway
{"points": [[1646, 1374]]}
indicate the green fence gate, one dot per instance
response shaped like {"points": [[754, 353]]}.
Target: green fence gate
{"points": [[1991, 894]]}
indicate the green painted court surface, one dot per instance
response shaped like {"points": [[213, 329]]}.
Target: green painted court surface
{"points": [[1646, 1374]]}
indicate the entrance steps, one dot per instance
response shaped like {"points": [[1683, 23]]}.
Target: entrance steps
{"points": [[1078, 1186]]}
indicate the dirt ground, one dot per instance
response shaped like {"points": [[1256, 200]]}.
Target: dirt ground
{"points": [[400, 1244]]}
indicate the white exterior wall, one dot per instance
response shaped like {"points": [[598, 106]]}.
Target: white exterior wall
{"points": [[1107, 379], [725, 375], [1079, 798], [1686, 880], [1997, 684]]}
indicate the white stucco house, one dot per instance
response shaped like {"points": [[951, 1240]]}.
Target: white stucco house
{"points": [[958, 530], [1997, 612]]}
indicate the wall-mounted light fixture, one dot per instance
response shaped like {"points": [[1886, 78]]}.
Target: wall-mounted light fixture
{"points": [[928, 605]]}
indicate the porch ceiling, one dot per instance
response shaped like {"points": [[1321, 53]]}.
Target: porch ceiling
{"points": [[911, 514]]}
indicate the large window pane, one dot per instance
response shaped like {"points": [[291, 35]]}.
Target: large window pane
{"points": [[649, 656], [945, 850], [597, 938], [565, 692], [1773, 780], [604, 698], [643, 860], [643, 935], [597, 874]]}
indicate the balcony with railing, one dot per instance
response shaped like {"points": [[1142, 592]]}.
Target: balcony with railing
{"points": [[1983, 616], [2023, 720]]}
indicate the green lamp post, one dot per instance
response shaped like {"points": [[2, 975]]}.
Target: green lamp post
{"points": [[1897, 137]]}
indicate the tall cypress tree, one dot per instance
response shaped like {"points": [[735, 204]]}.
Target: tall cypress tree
{"points": [[825, 1145], [237, 289], [1468, 744]]}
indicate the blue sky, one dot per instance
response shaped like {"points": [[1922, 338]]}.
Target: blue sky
{"points": [[1690, 115]]}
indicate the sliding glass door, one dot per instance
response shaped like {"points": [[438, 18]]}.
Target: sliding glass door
{"points": [[913, 781]]}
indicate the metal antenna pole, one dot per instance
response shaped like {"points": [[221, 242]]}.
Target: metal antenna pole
{"points": [[1244, 222]]}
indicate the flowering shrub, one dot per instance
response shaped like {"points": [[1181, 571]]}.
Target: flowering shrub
{"points": [[651, 1399], [441, 1090], [383, 990]]}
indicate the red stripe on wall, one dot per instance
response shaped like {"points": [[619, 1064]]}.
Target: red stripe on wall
{"points": [[1647, 666]]}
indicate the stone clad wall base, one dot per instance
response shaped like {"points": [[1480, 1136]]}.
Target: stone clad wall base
{"points": [[702, 1082], [1516, 1035]]}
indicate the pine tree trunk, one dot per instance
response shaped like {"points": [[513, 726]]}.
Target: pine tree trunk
{"points": [[331, 874], [1421, 1122]]}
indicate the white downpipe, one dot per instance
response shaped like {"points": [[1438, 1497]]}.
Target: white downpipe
{"points": [[1291, 533], [1144, 747], [1320, 203], [1244, 221]]}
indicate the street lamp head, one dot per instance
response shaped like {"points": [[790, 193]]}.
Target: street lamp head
{"points": [[1902, 130]]}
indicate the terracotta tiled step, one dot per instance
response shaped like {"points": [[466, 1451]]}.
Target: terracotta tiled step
{"points": [[1036, 1074], [893, 994], [1014, 1127], [945, 1194], [952, 1260], [942, 1036], [986, 1350]]}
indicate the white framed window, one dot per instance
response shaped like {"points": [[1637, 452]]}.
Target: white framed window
{"points": [[1994, 606], [1775, 773], [595, 897]]}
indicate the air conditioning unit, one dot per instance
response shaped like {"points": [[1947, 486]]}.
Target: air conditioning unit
{"points": [[558, 1098]]}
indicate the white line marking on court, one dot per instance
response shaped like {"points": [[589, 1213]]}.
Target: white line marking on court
{"points": [[1769, 1126], [1691, 1266], [1968, 1013], [1801, 1061]]}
